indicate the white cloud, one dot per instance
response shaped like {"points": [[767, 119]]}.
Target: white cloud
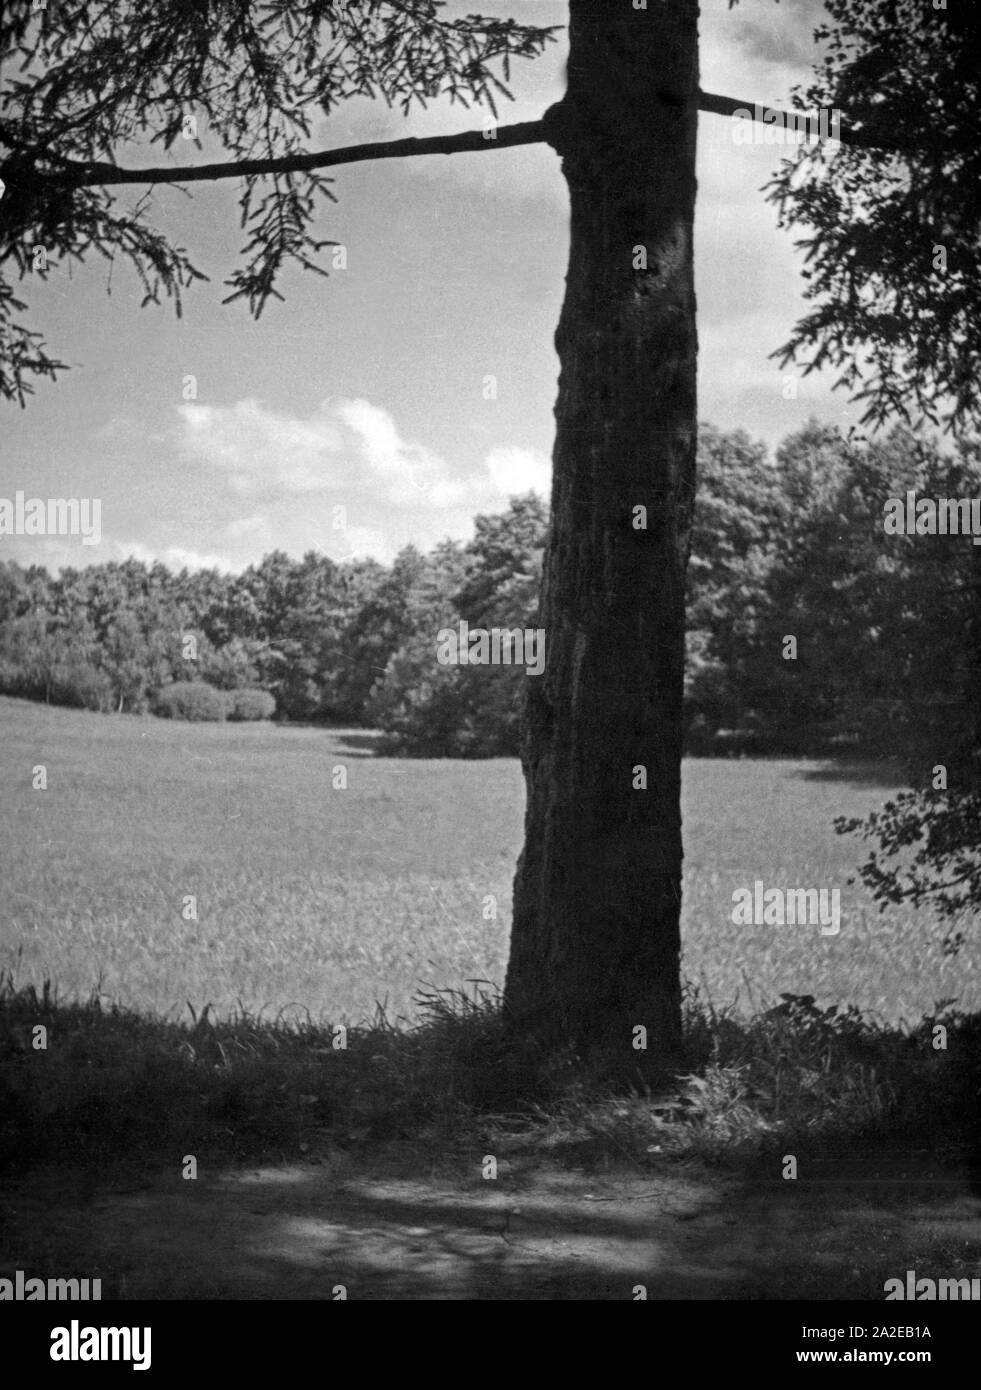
{"points": [[514, 470], [250, 528], [360, 542], [405, 470], [53, 552], [342, 481], [261, 451], [175, 557]]}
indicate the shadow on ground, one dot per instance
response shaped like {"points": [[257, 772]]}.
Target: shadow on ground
{"points": [[359, 745], [856, 772], [402, 1231], [354, 742]]}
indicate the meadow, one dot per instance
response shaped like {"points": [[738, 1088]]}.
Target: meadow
{"points": [[321, 902]]}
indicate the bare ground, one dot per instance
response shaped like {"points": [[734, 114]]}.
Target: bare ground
{"points": [[397, 1225]]}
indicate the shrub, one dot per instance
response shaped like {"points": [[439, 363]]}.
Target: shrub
{"points": [[191, 700], [250, 704], [83, 685], [431, 711], [15, 680]]}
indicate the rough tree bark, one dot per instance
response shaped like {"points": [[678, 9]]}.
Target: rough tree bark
{"points": [[595, 940]]}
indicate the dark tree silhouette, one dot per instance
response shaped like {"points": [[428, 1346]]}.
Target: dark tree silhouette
{"points": [[893, 234], [893, 219], [595, 939]]}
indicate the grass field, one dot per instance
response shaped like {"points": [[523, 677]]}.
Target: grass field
{"points": [[311, 898]]}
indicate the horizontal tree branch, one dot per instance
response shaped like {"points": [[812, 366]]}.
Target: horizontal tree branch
{"points": [[81, 175], [524, 133], [728, 106]]}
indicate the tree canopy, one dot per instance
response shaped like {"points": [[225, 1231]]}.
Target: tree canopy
{"points": [[83, 81], [893, 219]]}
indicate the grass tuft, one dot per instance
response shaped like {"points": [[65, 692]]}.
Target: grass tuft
{"points": [[112, 1085]]}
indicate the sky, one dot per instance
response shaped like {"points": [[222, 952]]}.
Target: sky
{"points": [[357, 416]]}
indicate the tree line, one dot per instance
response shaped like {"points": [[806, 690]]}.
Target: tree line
{"points": [[811, 628]]}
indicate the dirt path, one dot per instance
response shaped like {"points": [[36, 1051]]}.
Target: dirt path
{"points": [[396, 1230]]}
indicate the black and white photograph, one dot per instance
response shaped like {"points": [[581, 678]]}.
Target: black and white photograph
{"points": [[490, 669]]}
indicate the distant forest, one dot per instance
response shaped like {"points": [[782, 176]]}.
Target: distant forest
{"points": [[789, 547]]}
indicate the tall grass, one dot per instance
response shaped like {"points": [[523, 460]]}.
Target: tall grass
{"points": [[317, 902], [110, 1087]]}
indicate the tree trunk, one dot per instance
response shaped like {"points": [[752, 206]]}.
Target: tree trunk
{"points": [[595, 941]]}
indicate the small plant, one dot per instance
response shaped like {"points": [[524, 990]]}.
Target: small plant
{"points": [[193, 700], [250, 704]]}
